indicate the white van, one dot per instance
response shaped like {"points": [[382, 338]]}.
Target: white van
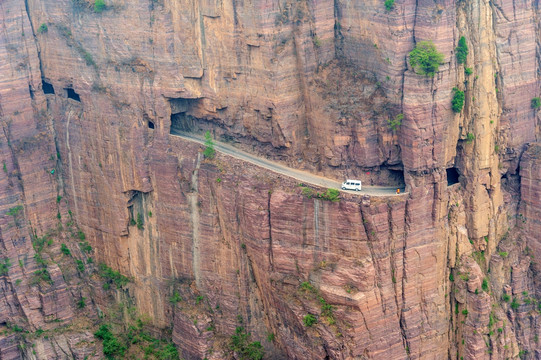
{"points": [[352, 185]]}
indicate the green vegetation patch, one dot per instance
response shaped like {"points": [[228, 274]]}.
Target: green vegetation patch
{"points": [[99, 6], [395, 123], [425, 58], [457, 104], [112, 276], [389, 4], [240, 344], [536, 103], [309, 320], [209, 151], [4, 266], [43, 28], [462, 50], [112, 347]]}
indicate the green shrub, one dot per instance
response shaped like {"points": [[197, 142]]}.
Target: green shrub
{"points": [[80, 265], [81, 235], [140, 221], [14, 211], [395, 123], [99, 6], [43, 28], [536, 103], [309, 320], [330, 195], [389, 4], [515, 304], [240, 344], [462, 50], [425, 58], [465, 312], [85, 246], [306, 191], [306, 286], [209, 151], [468, 71], [470, 137], [451, 277], [484, 285], [4, 266], [458, 100], [112, 276], [81, 303], [112, 347], [503, 254], [506, 297], [65, 250], [39, 276], [175, 298]]}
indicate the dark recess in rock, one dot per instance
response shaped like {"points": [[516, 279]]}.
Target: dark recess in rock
{"points": [[452, 176], [72, 94], [47, 88]]}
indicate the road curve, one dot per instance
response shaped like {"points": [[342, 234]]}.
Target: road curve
{"points": [[302, 176]]}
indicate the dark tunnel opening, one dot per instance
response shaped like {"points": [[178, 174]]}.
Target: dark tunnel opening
{"points": [[72, 94], [47, 88], [452, 176]]}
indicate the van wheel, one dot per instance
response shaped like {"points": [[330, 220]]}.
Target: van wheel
{"points": [[343, 188], [357, 190]]}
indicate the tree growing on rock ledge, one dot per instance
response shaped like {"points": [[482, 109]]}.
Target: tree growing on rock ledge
{"points": [[425, 59], [209, 151], [99, 6]]}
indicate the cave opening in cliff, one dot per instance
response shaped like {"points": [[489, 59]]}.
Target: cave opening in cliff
{"points": [[72, 94], [452, 176], [181, 120], [396, 177], [150, 124], [47, 88]]}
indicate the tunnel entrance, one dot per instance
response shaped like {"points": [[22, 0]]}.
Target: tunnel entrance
{"points": [[150, 124], [72, 94], [181, 120], [47, 88], [396, 177], [452, 176]]}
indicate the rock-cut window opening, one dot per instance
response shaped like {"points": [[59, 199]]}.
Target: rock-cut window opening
{"points": [[47, 88], [150, 125], [452, 176], [73, 95]]}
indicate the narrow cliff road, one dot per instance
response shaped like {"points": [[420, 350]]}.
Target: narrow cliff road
{"points": [[300, 175]]}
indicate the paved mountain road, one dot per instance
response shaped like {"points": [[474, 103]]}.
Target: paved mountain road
{"points": [[300, 175]]}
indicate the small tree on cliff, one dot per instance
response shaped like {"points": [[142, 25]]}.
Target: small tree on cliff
{"points": [[209, 151], [462, 50], [425, 58], [99, 6]]}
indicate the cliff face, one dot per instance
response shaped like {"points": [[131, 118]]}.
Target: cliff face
{"points": [[443, 272]]}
